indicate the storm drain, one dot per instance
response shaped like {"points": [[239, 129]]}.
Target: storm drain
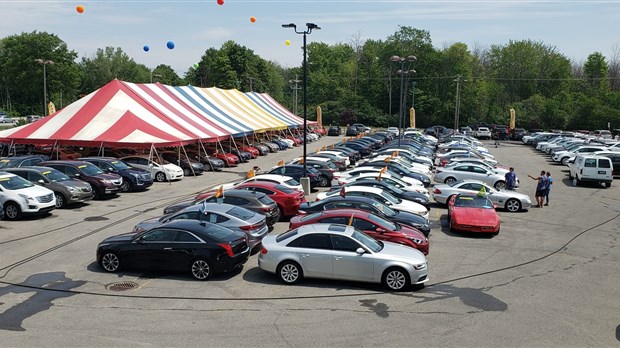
{"points": [[121, 286]]}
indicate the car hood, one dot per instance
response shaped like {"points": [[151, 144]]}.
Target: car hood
{"points": [[477, 216], [125, 237], [108, 176], [393, 251], [410, 206], [148, 224], [73, 183], [172, 167], [35, 191], [176, 207], [135, 171]]}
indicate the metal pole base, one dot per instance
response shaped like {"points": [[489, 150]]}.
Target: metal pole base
{"points": [[305, 184]]}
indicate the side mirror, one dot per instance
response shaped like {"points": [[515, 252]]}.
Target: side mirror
{"points": [[380, 230], [139, 240], [360, 251], [77, 175], [41, 181]]}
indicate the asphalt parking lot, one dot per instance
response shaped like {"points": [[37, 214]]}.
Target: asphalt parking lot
{"points": [[550, 278]]}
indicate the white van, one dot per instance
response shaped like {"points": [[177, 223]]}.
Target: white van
{"points": [[588, 167]]}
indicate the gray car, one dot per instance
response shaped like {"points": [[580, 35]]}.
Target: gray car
{"points": [[510, 200], [239, 219], [67, 191], [334, 251]]}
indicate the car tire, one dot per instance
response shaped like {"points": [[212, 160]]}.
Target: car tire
{"points": [[607, 185], [513, 205], [201, 269], [160, 177], [187, 172], [61, 202], [12, 211], [500, 185], [564, 160], [323, 181], [110, 262], [127, 186], [289, 272], [570, 175], [396, 279], [96, 194], [281, 210], [452, 229], [449, 180]]}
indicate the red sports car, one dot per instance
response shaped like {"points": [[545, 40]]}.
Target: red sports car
{"points": [[252, 150], [472, 213], [373, 225], [229, 159], [287, 199]]}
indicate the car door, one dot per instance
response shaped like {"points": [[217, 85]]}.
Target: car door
{"points": [[347, 263], [159, 249], [316, 255], [183, 251]]}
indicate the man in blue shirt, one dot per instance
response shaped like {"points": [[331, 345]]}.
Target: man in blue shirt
{"points": [[549, 183], [511, 179], [541, 188]]}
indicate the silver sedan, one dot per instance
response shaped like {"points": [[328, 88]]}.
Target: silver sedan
{"points": [[334, 251], [509, 200], [226, 215]]}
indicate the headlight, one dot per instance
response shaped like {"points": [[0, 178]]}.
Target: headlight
{"points": [[135, 175], [420, 266], [72, 189], [26, 197], [106, 181], [416, 240], [139, 229]]}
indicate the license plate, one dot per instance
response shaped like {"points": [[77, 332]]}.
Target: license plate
{"points": [[601, 172]]}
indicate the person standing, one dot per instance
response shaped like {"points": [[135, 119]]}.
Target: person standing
{"points": [[540, 188], [549, 183], [511, 179]]}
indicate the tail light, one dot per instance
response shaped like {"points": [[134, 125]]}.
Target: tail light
{"points": [[263, 250], [250, 227], [228, 249], [437, 191]]}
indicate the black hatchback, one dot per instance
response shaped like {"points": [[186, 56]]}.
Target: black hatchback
{"points": [[133, 179], [198, 247], [333, 130]]}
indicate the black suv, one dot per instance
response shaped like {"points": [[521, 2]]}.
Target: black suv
{"points": [[133, 179], [352, 131], [517, 133], [333, 130]]}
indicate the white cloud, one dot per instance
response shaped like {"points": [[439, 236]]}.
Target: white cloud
{"points": [[217, 33]]}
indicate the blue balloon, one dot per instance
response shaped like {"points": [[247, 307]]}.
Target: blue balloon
{"points": [[146, 48], [170, 44]]}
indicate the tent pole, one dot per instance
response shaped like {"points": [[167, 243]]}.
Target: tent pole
{"points": [[55, 148], [202, 145], [153, 149], [188, 160], [8, 151]]}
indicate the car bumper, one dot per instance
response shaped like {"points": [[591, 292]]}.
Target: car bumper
{"points": [[231, 263], [475, 229], [80, 197], [38, 208]]}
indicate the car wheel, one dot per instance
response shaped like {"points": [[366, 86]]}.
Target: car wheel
{"points": [[323, 182], [396, 279], [160, 177], [449, 180], [289, 272], [607, 184], [127, 186], [513, 205], [110, 262], [96, 194], [452, 229], [12, 211], [564, 161], [500, 185], [60, 200], [281, 210], [187, 172], [201, 269]]}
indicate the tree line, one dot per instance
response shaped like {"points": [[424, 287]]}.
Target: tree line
{"points": [[356, 81]]}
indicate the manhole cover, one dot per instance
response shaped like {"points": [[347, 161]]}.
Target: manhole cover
{"points": [[121, 286], [96, 218]]}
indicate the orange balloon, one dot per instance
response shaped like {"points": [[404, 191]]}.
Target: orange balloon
{"points": [[80, 9], [253, 19]]}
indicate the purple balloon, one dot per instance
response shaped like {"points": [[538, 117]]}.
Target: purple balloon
{"points": [[146, 48]]}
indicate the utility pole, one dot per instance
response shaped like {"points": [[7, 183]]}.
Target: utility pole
{"points": [[296, 87], [251, 83], [457, 109]]}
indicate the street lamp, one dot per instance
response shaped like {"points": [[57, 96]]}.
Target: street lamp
{"points": [[44, 62], [305, 181], [402, 73]]}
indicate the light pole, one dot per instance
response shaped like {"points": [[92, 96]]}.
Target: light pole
{"points": [[305, 181], [154, 75], [402, 73], [44, 62], [296, 81]]}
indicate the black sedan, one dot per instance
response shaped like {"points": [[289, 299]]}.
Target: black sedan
{"points": [[370, 205], [395, 191], [201, 248], [333, 131]]}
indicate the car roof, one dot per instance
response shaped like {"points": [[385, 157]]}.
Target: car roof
{"points": [[344, 212], [99, 158], [217, 207], [32, 168], [6, 174], [22, 157], [326, 228], [75, 163]]}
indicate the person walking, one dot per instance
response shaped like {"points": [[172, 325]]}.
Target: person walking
{"points": [[511, 179], [549, 183], [540, 188]]}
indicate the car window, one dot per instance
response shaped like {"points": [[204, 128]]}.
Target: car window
{"points": [[478, 170], [90, 169], [367, 241], [236, 201], [339, 205], [32, 162], [188, 215], [215, 218], [335, 220], [241, 213], [343, 243], [183, 236], [70, 171], [291, 182], [604, 163], [286, 235], [363, 224], [590, 163], [264, 199], [461, 168], [284, 189], [317, 241], [160, 235]]}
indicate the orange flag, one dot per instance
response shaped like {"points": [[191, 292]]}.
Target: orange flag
{"points": [[220, 192], [333, 146], [301, 161], [395, 154], [351, 220], [379, 176], [280, 163], [323, 148], [250, 174], [383, 170], [387, 159]]}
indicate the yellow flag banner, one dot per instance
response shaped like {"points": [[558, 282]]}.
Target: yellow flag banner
{"points": [[250, 174], [220, 192], [379, 176], [412, 117], [280, 163], [319, 116], [513, 118], [395, 154], [51, 108], [387, 159], [482, 192]]}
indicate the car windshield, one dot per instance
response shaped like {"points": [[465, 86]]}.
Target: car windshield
{"points": [[291, 182], [368, 242], [241, 213], [8, 163], [90, 169], [284, 189], [14, 182], [383, 222], [120, 165], [218, 233], [55, 175], [473, 202]]}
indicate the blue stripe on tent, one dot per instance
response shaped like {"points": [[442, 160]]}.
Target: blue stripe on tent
{"points": [[229, 122], [272, 111]]}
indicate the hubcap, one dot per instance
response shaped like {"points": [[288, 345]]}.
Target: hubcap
{"points": [[395, 280], [60, 201], [513, 205], [11, 211], [109, 262], [500, 186], [200, 269], [161, 177], [125, 186], [450, 180], [289, 273]]}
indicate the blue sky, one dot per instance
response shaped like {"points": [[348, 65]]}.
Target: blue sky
{"points": [[576, 28]]}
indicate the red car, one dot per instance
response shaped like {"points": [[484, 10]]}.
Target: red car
{"points": [[287, 199], [297, 141], [252, 150], [471, 213], [373, 225], [229, 159]]}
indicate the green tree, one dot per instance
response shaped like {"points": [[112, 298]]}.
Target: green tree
{"points": [[595, 69], [109, 64], [166, 75]]}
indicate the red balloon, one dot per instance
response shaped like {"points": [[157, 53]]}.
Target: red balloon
{"points": [[220, 2], [252, 19]]}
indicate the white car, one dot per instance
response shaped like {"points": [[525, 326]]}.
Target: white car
{"points": [[510, 200], [380, 196], [483, 133], [375, 171], [394, 130], [160, 172], [496, 170], [413, 166], [339, 155], [279, 179], [472, 172], [389, 178], [20, 197], [565, 156]]}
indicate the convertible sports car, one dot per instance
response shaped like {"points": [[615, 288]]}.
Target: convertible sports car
{"points": [[472, 213], [510, 200]]}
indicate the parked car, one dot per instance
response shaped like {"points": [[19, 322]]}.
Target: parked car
{"points": [[517, 133], [21, 161], [102, 184], [239, 219], [296, 171], [333, 131], [373, 225], [472, 213], [210, 163], [362, 128], [472, 172], [592, 168], [417, 197], [32, 118], [310, 251], [257, 202], [189, 167], [352, 131], [507, 199], [201, 248], [66, 190], [134, 179], [19, 197], [615, 161], [6, 119], [160, 170], [325, 168], [274, 178], [482, 133], [288, 200]]}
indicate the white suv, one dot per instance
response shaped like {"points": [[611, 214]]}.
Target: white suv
{"points": [[20, 197], [483, 133]]}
